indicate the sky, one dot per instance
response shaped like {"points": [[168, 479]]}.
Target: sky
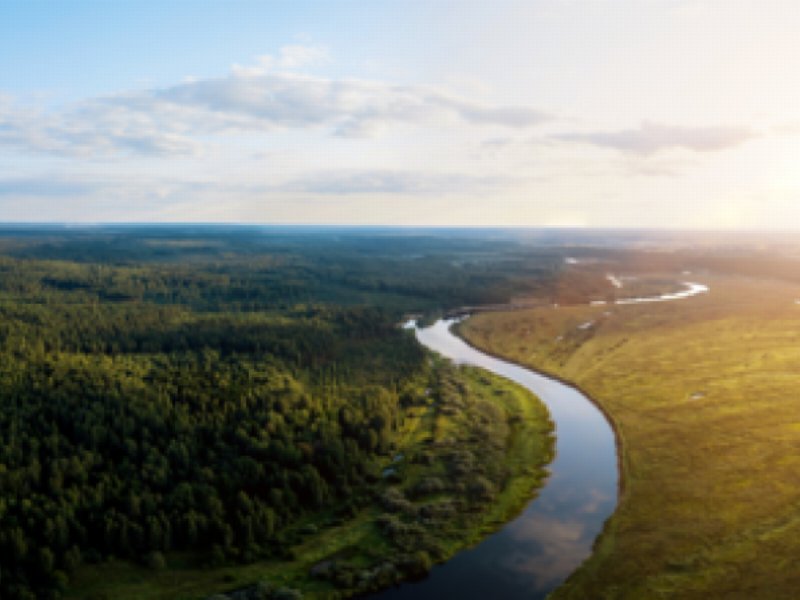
{"points": [[535, 113]]}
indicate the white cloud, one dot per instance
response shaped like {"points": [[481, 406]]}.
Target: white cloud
{"points": [[379, 181], [650, 138], [290, 57], [171, 120], [349, 106], [99, 128], [51, 187]]}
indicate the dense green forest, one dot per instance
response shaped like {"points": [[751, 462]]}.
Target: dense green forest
{"points": [[172, 390]]}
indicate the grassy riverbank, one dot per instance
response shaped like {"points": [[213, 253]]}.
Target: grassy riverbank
{"points": [[470, 453], [705, 394]]}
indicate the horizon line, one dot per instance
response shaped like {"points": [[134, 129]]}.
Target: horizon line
{"points": [[240, 224]]}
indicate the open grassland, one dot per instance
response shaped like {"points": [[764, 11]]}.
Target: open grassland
{"points": [[705, 396], [470, 453]]}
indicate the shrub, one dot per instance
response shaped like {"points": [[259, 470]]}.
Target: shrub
{"points": [[156, 561]]}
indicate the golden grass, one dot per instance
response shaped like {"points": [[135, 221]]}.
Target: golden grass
{"points": [[705, 394]]}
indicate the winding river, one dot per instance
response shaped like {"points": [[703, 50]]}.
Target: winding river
{"points": [[534, 553]]}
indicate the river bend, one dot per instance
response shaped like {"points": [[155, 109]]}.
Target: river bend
{"points": [[536, 551]]}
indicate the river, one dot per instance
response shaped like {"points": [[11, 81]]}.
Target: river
{"points": [[534, 553]]}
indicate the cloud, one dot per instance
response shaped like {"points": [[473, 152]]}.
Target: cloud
{"points": [[97, 128], [562, 545], [340, 183], [42, 187], [507, 116], [290, 57], [131, 191], [786, 129], [179, 119], [651, 138], [348, 106]]}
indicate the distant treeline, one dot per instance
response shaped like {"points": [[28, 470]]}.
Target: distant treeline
{"points": [[249, 270]]}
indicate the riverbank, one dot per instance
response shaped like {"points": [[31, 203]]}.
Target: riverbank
{"points": [[704, 392], [457, 330]]}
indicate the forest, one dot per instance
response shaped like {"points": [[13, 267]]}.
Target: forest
{"points": [[167, 391]]}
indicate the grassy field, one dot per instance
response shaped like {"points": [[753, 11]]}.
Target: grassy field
{"points": [[705, 394], [468, 425]]}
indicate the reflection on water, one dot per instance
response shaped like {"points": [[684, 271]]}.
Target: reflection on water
{"points": [[692, 289], [535, 552]]}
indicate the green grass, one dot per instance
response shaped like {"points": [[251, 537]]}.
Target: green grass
{"points": [[514, 449], [705, 395]]}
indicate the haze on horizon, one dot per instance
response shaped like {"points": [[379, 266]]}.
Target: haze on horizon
{"points": [[595, 113]]}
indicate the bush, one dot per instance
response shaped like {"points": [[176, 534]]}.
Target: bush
{"points": [[156, 561], [263, 590], [395, 501], [285, 593], [481, 489], [428, 485]]}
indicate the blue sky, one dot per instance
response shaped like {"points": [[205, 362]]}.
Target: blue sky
{"points": [[650, 113]]}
